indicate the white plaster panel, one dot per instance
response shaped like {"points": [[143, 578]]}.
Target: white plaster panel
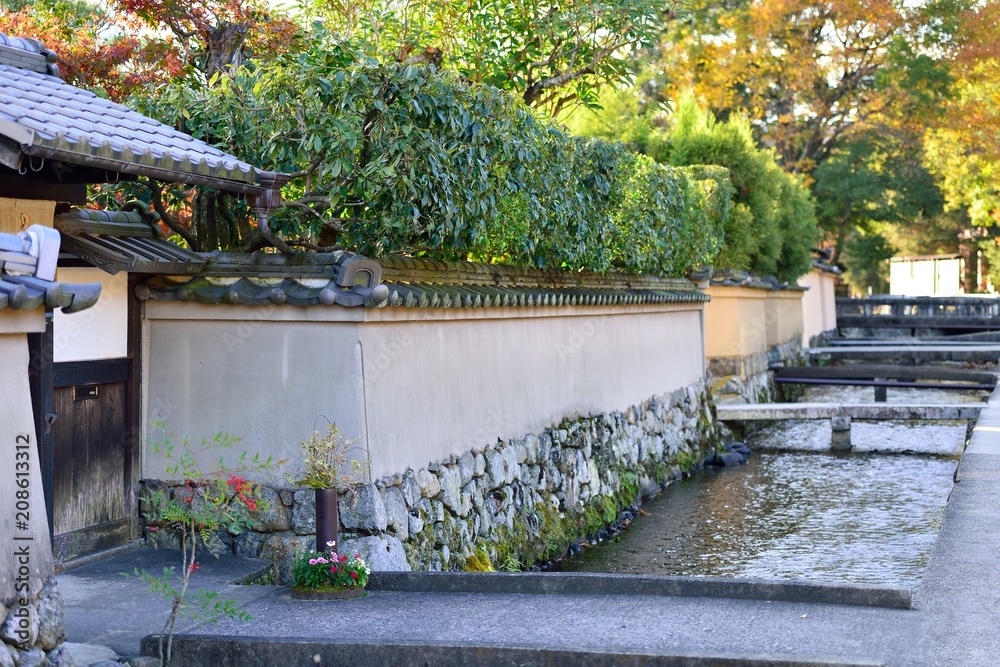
{"points": [[100, 332], [17, 428], [819, 308], [270, 383], [435, 388]]}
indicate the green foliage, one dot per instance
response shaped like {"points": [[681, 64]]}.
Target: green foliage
{"points": [[551, 54], [326, 461], [329, 571], [764, 215], [866, 260], [210, 501], [772, 226], [403, 159]]}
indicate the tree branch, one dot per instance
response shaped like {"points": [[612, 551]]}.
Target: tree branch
{"points": [[156, 195]]}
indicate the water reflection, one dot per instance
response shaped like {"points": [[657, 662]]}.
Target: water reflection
{"points": [[861, 518]]}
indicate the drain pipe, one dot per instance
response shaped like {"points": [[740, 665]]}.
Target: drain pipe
{"points": [[264, 204]]}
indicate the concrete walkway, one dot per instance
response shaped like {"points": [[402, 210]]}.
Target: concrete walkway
{"points": [[441, 619]]}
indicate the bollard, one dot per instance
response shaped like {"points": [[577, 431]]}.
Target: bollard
{"points": [[881, 393], [840, 433]]}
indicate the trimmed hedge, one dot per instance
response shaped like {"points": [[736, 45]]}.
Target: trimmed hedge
{"points": [[770, 223], [409, 160]]}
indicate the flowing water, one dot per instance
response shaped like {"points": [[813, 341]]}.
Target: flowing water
{"points": [[798, 511]]}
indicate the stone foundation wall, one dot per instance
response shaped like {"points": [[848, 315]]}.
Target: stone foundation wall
{"points": [[746, 379], [33, 633], [510, 505]]}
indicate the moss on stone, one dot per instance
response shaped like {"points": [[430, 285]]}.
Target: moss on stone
{"points": [[479, 562]]}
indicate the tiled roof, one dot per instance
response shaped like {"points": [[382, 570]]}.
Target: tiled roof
{"points": [[27, 293], [123, 241], [350, 280], [27, 270], [736, 278], [50, 119]]}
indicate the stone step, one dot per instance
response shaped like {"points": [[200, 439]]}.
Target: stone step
{"points": [[873, 411]]}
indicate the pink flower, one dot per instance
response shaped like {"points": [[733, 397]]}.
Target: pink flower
{"points": [[354, 575], [322, 560], [357, 556], [333, 568], [334, 558], [313, 561]]}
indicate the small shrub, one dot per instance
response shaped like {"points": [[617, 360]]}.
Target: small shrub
{"points": [[329, 571]]}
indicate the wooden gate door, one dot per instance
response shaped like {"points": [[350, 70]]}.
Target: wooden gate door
{"points": [[91, 456]]}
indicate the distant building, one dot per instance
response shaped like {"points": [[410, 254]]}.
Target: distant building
{"points": [[927, 275]]}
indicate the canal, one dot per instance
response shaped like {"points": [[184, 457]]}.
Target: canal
{"points": [[798, 511]]}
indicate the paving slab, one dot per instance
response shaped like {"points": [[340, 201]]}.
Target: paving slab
{"points": [[104, 607], [574, 626]]}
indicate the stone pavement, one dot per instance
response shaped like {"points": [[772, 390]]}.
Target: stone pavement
{"points": [[443, 619]]}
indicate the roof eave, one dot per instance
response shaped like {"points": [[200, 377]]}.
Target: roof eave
{"points": [[121, 166]]}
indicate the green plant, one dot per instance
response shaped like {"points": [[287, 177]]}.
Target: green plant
{"points": [[397, 159], [479, 562], [207, 502], [326, 461], [327, 571]]}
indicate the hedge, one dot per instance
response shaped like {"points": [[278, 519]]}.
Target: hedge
{"points": [[404, 159]]}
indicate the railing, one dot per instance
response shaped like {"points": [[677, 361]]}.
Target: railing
{"points": [[955, 312]]}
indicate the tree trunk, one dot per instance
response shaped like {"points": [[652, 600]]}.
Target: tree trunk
{"points": [[224, 47]]}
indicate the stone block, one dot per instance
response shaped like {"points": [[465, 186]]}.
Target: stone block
{"points": [[466, 468], [49, 609], [272, 515], [280, 550], [249, 544], [362, 509], [429, 484], [531, 446], [495, 470], [383, 554], [840, 423], [304, 512], [451, 483], [397, 516], [410, 488]]}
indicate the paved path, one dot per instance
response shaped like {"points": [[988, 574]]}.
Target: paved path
{"points": [[952, 623]]}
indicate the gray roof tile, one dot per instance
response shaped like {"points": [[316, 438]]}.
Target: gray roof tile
{"points": [[77, 126]]}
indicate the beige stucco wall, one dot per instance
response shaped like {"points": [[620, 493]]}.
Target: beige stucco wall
{"points": [[436, 381], [783, 316], [735, 322], [819, 307], [16, 215], [99, 332], [25, 545]]}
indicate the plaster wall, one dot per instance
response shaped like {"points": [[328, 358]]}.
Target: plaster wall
{"points": [[27, 553], [819, 307], [735, 322], [100, 332], [415, 385], [16, 215], [783, 316], [269, 383], [436, 387]]}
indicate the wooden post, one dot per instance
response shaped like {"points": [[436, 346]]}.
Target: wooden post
{"points": [[40, 380]]}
